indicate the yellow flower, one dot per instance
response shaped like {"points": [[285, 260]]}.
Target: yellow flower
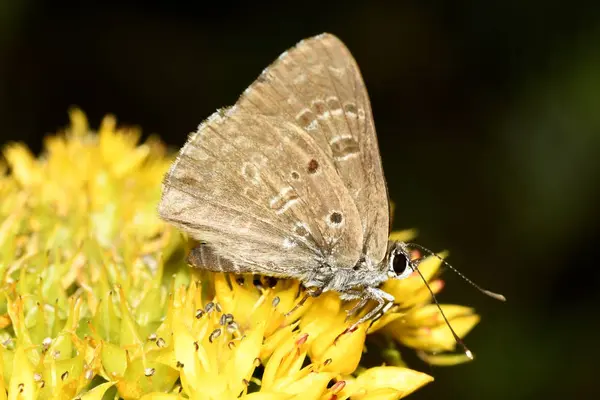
{"points": [[97, 298]]}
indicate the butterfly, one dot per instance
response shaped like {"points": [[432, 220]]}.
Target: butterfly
{"points": [[288, 182]]}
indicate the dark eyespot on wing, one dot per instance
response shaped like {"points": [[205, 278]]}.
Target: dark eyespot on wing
{"points": [[335, 218], [313, 166]]}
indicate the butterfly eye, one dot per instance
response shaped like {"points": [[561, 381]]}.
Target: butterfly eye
{"points": [[401, 265]]}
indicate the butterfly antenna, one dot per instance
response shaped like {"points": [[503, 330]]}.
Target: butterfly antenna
{"points": [[458, 340], [489, 293]]}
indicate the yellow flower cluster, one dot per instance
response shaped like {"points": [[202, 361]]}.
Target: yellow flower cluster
{"points": [[99, 301]]}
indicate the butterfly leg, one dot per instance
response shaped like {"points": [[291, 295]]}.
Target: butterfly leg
{"points": [[351, 312], [311, 292], [381, 313], [384, 302]]}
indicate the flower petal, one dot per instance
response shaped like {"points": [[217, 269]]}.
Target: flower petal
{"points": [[428, 330], [384, 320], [402, 380], [22, 383], [312, 386], [160, 396], [286, 360], [403, 236], [97, 393], [430, 316], [241, 365], [339, 352], [267, 396]]}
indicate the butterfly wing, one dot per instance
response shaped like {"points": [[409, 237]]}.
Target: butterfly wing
{"points": [[317, 84], [263, 195]]}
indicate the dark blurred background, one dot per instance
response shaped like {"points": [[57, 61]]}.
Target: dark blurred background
{"points": [[488, 116]]}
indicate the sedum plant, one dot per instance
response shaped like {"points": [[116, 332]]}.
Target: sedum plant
{"points": [[98, 301]]}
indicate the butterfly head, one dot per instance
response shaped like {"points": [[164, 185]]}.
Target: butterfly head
{"points": [[399, 261]]}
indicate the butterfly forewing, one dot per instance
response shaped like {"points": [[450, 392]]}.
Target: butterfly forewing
{"points": [[263, 195], [318, 86]]}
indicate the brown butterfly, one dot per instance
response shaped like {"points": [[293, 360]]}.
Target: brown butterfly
{"points": [[288, 182]]}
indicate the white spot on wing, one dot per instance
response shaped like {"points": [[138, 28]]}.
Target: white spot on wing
{"points": [[289, 243], [350, 109], [317, 69], [299, 79], [312, 126], [339, 138], [251, 173], [284, 200], [337, 71], [325, 115], [287, 205], [361, 114], [227, 148], [258, 159], [345, 156], [334, 105], [344, 147], [306, 119]]}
